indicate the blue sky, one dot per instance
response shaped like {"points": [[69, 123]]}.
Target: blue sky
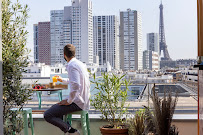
{"points": [[180, 17]]}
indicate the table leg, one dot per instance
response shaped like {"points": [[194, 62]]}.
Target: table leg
{"points": [[60, 95], [39, 93]]}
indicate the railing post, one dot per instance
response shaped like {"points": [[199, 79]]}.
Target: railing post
{"points": [[1, 89]]}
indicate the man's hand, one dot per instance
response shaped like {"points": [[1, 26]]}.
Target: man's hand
{"points": [[63, 102], [59, 78]]}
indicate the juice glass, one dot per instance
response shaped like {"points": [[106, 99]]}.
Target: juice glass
{"points": [[54, 79]]}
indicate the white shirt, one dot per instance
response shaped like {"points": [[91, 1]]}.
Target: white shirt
{"points": [[78, 80]]}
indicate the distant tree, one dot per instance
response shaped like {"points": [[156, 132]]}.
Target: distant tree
{"points": [[15, 59]]}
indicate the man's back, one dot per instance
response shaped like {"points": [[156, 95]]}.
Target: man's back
{"points": [[79, 77]]}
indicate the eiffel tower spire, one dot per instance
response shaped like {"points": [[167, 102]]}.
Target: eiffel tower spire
{"points": [[162, 40]]}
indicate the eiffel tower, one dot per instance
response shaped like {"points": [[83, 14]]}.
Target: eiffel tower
{"points": [[162, 40]]}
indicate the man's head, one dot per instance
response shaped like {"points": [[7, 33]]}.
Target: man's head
{"points": [[69, 52]]}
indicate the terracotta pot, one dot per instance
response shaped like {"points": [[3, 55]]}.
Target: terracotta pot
{"points": [[112, 131]]}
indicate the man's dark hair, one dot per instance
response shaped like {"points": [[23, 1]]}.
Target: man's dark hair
{"points": [[69, 50]]}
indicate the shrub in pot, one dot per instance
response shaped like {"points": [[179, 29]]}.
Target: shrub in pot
{"points": [[110, 100], [159, 119], [136, 123]]}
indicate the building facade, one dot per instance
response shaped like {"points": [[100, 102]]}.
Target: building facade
{"points": [[186, 62], [73, 25], [36, 49], [106, 40], [56, 26], [151, 60], [130, 40], [36, 70], [153, 42], [44, 44], [82, 30]]}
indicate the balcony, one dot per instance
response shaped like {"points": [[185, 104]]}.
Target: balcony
{"points": [[185, 117]]}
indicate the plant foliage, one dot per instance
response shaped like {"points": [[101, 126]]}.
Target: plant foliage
{"points": [[110, 98], [136, 123], [15, 56], [160, 118]]}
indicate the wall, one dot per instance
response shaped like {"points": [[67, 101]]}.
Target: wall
{"points": [[185, 127]]}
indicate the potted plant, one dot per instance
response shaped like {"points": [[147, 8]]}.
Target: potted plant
{"points": [[136, 123], [110, 100], [158, 120]]}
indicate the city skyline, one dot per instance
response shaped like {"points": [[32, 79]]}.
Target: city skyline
{"points": [[177, 19]]}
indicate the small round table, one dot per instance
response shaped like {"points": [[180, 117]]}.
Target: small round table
{"points": [[52, 91]]}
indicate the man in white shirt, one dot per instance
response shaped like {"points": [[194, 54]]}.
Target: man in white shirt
{"points": [[78, 80]]}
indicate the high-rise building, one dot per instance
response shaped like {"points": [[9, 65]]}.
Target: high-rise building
{"points": [[151, 56], [72, 25], [106, 39], [151, 60], [35, 35], [131, 40], [57, 44], [82, 29], [153, 42], [44, 44]]}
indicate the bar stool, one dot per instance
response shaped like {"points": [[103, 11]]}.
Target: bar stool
{"points": [[25, 112], [84, 120]]}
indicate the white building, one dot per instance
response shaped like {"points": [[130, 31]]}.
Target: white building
{"points": [[151, 60], [58, 69], [72, 25], [190, 74], [142, 78], [56, 27], [106, 40], [37, 70], [82, 29], [131, 40]]}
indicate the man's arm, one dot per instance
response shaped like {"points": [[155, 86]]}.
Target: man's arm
{"points": [[74, 81], [63, 80]]}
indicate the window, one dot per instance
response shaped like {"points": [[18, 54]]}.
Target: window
{"points": [[57, 70]]}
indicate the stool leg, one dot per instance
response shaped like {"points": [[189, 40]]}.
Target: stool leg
{"points": [[70, 119], [88, 123], [31, 123], [25, 123], [84, 124]]}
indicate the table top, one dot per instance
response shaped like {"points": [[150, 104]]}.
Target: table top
{"points": [[48, 89]]}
